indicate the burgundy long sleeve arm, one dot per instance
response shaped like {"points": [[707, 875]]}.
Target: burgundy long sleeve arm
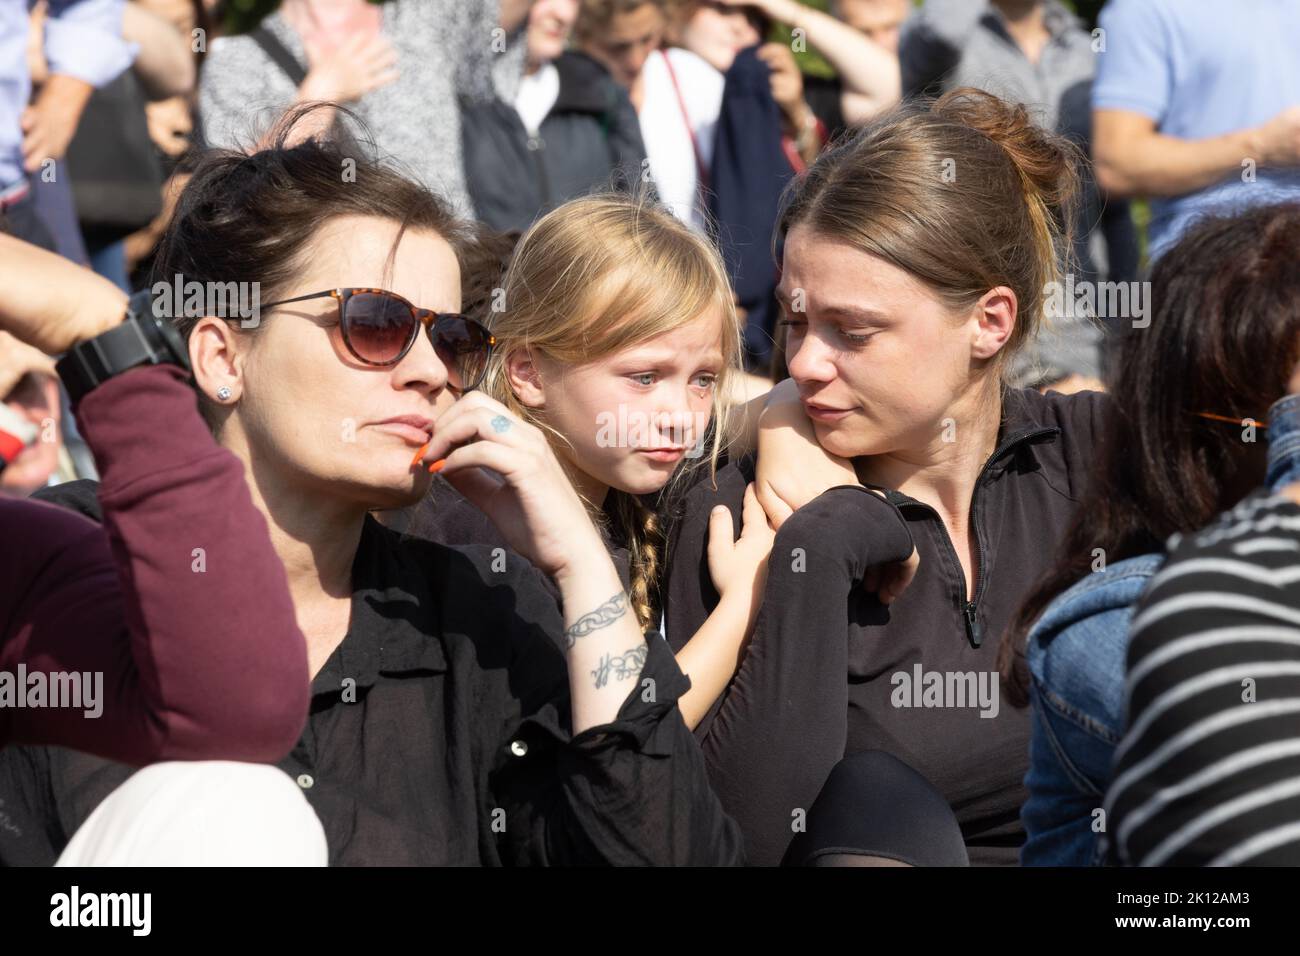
{"points": [[178, 600]]}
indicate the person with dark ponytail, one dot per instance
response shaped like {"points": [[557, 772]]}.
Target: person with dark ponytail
{"points": [[1185, 441], [916, 257]]}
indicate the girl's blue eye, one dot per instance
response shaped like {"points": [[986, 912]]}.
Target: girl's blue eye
{"points": [[706, 380], [640, 379]]}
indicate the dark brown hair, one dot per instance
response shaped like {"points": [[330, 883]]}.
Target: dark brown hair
{"points": [[483, 262], [1224, 335], [965, 193], [249, 217]]}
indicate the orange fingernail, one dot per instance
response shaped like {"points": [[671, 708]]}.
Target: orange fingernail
{"points": [[437, 466], [420, 454]]}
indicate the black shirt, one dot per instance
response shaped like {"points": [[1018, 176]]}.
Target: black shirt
{"points": [[439, 734], [448, 517], [831, 671]]}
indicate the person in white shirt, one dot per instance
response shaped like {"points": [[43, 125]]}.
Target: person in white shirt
{"points": [[677, 89], [677, 95], [549, 24]]}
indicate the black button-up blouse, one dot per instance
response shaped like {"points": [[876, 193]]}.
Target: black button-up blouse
{"points": [[439, 734]]}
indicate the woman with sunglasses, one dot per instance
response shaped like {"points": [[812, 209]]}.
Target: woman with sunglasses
{"points": [[457, 716], [619, 339]]}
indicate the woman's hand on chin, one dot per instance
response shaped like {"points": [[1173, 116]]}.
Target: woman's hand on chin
{"points": [[792, 467], [505, 466]]}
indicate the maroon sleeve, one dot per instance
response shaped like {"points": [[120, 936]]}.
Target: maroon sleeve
{"points": [[178, 603]]}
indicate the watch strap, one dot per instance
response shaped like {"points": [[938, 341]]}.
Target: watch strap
{"points": [[96, 360]]}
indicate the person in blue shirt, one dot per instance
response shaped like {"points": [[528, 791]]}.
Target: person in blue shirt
{"points": [[1184, 439], [84, 48], [1197, 105]]}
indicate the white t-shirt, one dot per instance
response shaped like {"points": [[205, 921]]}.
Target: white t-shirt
{"points": [[666, 133], [537, 94]]}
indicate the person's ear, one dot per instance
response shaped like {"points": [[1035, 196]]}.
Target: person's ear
{"points": [[216, 360], [525, 378], [995, 319]]}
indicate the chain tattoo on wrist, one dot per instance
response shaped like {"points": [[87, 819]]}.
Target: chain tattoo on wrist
{"points": [[603, 616], [628, 664]]}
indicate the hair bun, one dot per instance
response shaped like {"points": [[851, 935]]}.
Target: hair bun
{"points": [[1048, 164]]}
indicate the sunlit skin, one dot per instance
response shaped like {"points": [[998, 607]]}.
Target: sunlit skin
{"points": [[879, 359], [626, 44], [310, 417], [662, 388], [879, 20], [717, 34]]}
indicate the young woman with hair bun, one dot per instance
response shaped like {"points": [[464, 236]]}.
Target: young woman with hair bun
{"points": [[916, 255]]}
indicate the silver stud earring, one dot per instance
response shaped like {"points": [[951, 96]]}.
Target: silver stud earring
{"points": [[224, 393]]}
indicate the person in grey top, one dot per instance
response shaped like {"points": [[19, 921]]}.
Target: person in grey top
{"points": [[1034, 52], [398, 66]]}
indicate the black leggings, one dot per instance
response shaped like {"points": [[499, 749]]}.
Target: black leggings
{"points": [[876, 810]]}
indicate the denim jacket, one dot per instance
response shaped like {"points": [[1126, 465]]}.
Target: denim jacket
{"points": [[1076, 654]]}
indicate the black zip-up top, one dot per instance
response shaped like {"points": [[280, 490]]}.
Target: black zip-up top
{"points": [[831, 671]]}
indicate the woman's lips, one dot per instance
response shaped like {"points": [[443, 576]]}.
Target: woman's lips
{"points": [[662, 454], [825, 413], [411, 429]]}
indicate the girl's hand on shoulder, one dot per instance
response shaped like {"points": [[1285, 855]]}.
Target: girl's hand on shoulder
{"points": [[889, 581], [739, 567]]}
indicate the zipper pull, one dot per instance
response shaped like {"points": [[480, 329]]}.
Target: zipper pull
{"points": [[973, 633]]}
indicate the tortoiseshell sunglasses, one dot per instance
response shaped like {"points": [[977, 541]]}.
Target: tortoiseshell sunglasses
{"points": [[379, 327]]}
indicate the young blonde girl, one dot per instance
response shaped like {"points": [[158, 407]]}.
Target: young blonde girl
{"points": [[616, 334]]}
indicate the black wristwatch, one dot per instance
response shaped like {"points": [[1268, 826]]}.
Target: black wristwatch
{"points": [[143, 338]]}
